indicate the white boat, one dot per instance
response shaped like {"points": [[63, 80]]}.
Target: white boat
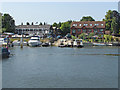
{"points": [[34, 41], [99, 44], [3, 41], [77, 43], [16, 43]]}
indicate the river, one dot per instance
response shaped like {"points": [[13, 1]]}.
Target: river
{"points": [[55, 67]]}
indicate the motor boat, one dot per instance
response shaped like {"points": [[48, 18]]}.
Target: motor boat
{"points": [[77, 43], [99, 44], [45, 44], [16, 43], [34, 41]]}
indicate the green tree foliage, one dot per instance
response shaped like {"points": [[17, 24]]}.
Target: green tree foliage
{"points": [[0, 22], [32, 23], [8, 23], [22, 23], [44, 23], [54, 24], [82, 36], [114, 25], [27, 23], [87, 18], [90, 35], [65, 27], [40, 23], [112, 18]]}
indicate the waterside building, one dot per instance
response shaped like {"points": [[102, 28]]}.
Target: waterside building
{"points": [[98, 27]]}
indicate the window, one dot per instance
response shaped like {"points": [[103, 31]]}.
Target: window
{"points": [[95, 30], [90, 24], [85, 24], [96, 24], [73, 31], [79, 30], [102, 24], [84, 30], [90, 30], [101, 30], [80, 24], [74, 24]]}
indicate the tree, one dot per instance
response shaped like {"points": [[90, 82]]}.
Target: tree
{"points": [[82, 36], [90, 35], [114, 26], [87, 18], [8, 23], [40, 23], [32, 23], [22, 23], [44, 23], [0, 22], [111, 18], [54, 24], [27, 23], [65, 27], [59, 25]]}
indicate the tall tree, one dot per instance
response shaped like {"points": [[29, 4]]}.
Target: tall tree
{"points": [[65, 27], [0, 22], [22, 23], [114, 25], [111, 18], [40, 23], [54, 24], [27, 23], [8, 23], [87, 18], [44, 23], [32, 23]]}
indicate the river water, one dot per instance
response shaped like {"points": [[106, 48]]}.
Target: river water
{"points": [[54, 67]]}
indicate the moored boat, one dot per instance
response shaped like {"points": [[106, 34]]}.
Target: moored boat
{"points": [[99, 44], [78, 43], [45, 44], [34, 41]]}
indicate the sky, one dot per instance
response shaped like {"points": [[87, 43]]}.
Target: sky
{"points": [[51, 12]]}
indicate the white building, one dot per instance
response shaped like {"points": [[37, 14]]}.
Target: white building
{"points": [[32, 29]]}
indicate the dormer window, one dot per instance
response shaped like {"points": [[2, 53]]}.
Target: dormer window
{"points": [[96, 24], [90, 24], [74, 24], [85, 24]]}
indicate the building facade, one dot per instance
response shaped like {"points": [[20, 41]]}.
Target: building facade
{"points": [[97, 27], [33, 29]]}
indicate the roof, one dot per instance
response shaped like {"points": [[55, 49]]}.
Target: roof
{"points": [[89, 22], [32, 26]]}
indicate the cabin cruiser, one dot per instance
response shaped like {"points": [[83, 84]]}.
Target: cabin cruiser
{"points": [[77, 43], [34, 41], [99, 44], [46, 44], [3, 41]]}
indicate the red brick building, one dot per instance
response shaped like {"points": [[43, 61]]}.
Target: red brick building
{"points": [[98, 27]]}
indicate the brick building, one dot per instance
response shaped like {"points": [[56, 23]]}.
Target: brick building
{"points": [[97, 27]]}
